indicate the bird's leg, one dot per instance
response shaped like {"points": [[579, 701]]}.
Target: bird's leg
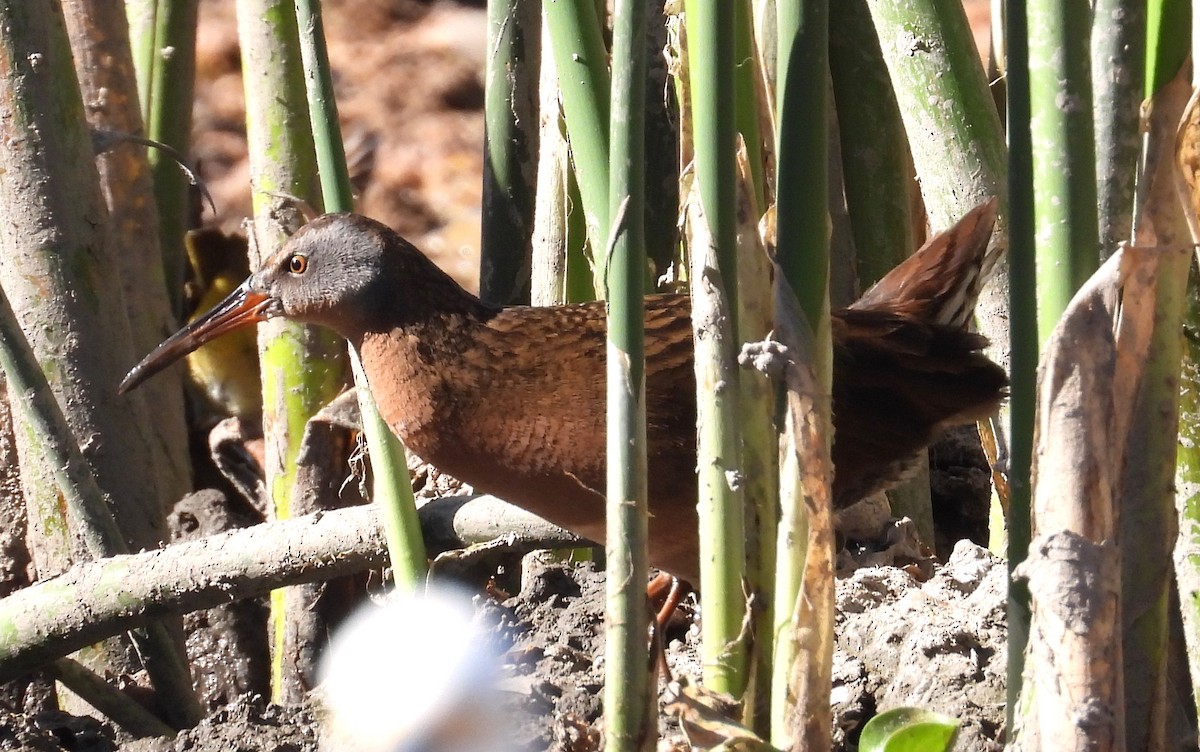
{"points": [[665, 592]]}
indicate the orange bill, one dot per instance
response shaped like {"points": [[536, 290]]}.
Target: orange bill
{"points": [[244, 306]]}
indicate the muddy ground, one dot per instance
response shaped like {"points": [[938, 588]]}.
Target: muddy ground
{"points": [[938, 644], [409, 83]]}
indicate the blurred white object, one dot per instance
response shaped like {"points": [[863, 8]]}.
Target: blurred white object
{"points": [[413, 675]]}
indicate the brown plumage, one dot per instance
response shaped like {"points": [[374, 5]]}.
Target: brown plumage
{"points": [[511, 400]]}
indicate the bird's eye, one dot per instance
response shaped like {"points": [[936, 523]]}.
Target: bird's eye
{"points": [[298, 264]]}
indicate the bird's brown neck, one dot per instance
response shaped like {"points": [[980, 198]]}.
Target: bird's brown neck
{"points": [[411, 294], [415, 368], [415, 328]]}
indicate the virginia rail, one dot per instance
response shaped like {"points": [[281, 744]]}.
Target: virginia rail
{"points": [[511, 399]]}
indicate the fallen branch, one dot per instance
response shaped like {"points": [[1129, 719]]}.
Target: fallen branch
{"points": [[92, 601]]}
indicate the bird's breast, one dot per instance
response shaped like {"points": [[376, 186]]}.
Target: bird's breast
{"points": [[489, 416]]}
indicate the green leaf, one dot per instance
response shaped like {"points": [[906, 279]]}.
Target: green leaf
{"points": [[909, 730]]}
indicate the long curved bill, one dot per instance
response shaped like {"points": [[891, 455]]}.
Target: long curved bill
{"points": [[242, 307]]}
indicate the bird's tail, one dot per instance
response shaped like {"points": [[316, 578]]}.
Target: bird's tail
{"points": [[940, 283], [905, 364]]}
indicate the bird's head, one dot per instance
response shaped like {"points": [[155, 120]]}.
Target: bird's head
{"points": [[344, 271], [334, 271]]}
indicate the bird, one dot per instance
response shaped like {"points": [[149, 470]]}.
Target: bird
{"points": [[511, 399]]}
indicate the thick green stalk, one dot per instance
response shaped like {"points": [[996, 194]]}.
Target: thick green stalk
{"points": [[391, 488], [579, 55], [580, 285], [81, 494], [960, 153], [1187, 469], [1167, 41], [961, 160], [1064, 153], [1187, 484], [755, 320], [143, 20], [1023, 369], [548, 260], [1149, 524], [60, 272], [168, 116], [1118, 69], [747, 107], [88, 508], [59, 268], [760, 454], [560, 265], [303, 367], [337, 193], [714, 280], [509, 146], [943, 95], [1062, 141], [875, 162], [628, 724], [801, 147], [714, 127], [802, 242], [876, 169], [100, 47], [1147, 519]]}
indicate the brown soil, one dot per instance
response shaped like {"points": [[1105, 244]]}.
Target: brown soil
{"points": [[938, 645]]}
